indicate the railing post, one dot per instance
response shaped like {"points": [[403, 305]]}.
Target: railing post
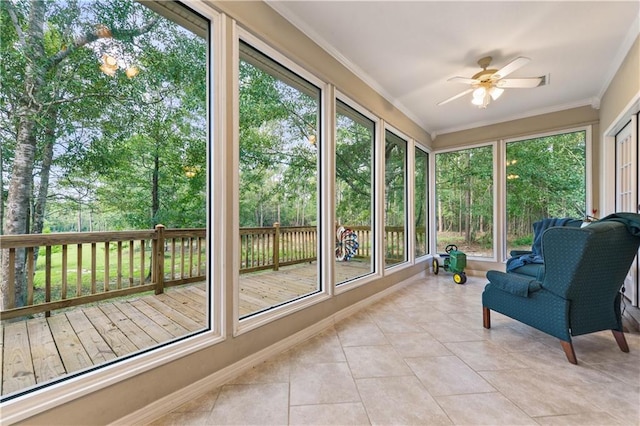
{"points": [[276, 246], [159, 259]]}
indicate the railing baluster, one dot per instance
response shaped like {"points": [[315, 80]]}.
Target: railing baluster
{"points": [[142, 266], [11, 284], [182, 257], [30, 275], [131, 252], [106, 266], [119, 272], [63, 289], [79, 270], [173, 258], [47, 278], [93, 268]]}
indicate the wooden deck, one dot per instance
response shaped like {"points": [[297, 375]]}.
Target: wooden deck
{"points": [[41, 349]]}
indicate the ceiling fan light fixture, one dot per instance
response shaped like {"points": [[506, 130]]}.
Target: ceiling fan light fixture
{"points": [[479, 93], [495, 92]]}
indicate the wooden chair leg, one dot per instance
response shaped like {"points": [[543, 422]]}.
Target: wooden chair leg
{"points": [[569, 352], [486, 317], [620, 339]]}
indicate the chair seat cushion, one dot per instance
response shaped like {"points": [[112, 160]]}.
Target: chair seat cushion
{"points": [[515, 284]]}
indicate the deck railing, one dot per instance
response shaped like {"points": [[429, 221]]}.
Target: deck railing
{"points": [[94, 266], [87, 267]]}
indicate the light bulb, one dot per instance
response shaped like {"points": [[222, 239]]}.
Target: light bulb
{"points": [[479, 93]]}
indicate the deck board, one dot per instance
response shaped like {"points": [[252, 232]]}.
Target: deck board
{"points": [[47, 364], [41, 349], [97, 348], [73, 354], [17, 371]]}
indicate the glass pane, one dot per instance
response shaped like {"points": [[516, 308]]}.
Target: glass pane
{"points": [[279, 137], [421, 195], [120, 136], [354, 194], [464, 201], [546, 177], [395, 176]]}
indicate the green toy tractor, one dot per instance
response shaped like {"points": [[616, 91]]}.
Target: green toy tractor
{"points": [[454, 261]]}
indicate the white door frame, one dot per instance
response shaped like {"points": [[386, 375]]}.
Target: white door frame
{"points": [[610, 181]]}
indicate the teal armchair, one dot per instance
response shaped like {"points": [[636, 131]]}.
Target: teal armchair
{"points": [[579, 292]]}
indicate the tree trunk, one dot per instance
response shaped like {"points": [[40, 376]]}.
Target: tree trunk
{"points": [[20, 187]]}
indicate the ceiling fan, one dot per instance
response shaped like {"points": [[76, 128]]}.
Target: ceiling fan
{"points": [[489, 84]]}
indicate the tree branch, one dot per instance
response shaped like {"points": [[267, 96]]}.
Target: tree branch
{"points": [[16, 23], [87, 38]]}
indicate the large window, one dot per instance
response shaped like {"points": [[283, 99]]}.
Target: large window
{"points": [[464, 200], [104, 137], [278, 177], [395, 213], [420, 205], [546, 177], [355, 135]]}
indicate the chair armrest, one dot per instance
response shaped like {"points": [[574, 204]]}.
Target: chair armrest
{"points": [[514, 284], [515, 253]]}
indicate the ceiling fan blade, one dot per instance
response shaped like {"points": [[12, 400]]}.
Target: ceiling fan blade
{"points": [[464, 80], [518, 62], [520, 83], [459, 95]]}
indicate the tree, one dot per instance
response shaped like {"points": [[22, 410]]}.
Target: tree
{"points": [[45, 37]]}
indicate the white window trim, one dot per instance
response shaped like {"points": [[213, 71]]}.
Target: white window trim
{"points": [[408, 261], [375, 220], [503, 181], [241, 326], [496, 199], [419, 146]]}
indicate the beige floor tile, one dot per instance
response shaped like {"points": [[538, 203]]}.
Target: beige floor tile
{"points": [[426, 314], [191, 418], [360, 333], [626, 372], [411, 345], [449, 370], [272, 371], [329, 414], [258, 404], [483, 409], [582, 419], [375, 361], [401, 401], [484, 355], [618, 399], [537, 392], [396, 322], [449, 331], [322, 384], [447, 375], [324, 347]]}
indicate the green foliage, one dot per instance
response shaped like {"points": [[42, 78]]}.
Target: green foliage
{"points": [[121, 144]]}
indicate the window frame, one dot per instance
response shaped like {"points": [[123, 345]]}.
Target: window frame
{"points": [[498, 203], [38, 399], [502, 166], [408, 188], [243, 325], [375, 218]]}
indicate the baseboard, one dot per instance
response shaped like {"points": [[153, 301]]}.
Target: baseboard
{"points": [[165, 405]]}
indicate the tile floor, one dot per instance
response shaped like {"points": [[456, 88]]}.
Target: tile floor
{"points": [[422, 357]]}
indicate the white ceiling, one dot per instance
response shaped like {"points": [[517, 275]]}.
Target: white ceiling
{"points": [[408, 50]]}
